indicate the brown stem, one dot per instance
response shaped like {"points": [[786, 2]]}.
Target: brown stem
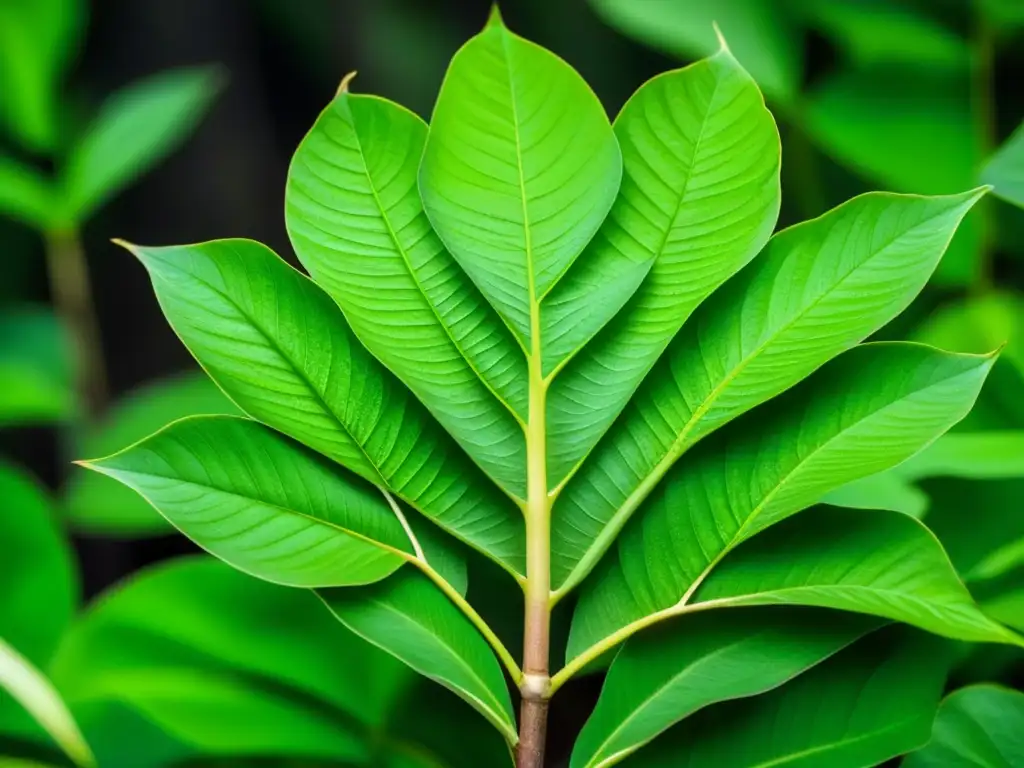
{"points": [[533, 723], [72, 296]]}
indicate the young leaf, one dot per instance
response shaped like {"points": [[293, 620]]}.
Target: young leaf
{"points": [[137, 127], [865, 705], [981, 725], [1005, 170], [700, 196], [519, 170], [98, 505], [29, 687], [25, 194], [409, 618], [354, 215], [280, 348], [263, 504], [765, 38], [665, 675], [819, 288]]}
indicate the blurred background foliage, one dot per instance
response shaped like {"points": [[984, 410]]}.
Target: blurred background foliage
{"points": [[169, 121]]}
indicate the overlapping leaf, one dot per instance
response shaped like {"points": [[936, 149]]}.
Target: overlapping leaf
{"points": [[281, 350], [869, 409], [355, 217], [519, 170], [819, 288], [870, 702], [700, 196]]}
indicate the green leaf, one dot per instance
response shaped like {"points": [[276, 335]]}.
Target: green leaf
{"points": [[663, 676], [264, 504], [25, 194], [1005, 169], [876, 562], [868, 703], [98, 505], [979, 324], [886, 490], [36, 366], [37, 41], [819, 288], [881, 32], [136, 128], [765, 40], [867, 410], [979, 726], [519, 170], [698, 217], [411, 619], [280, 348], [354, 214], [29, 687], [36, 569], [196, 660]]}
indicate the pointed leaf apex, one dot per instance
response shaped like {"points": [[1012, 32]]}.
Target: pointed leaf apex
{"points": [[494, 18], [723, 46], [343, 85], [130, 247]]}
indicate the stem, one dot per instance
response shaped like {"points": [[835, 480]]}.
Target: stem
{"points": [[983, 108], [72, 296], [536, 634]]}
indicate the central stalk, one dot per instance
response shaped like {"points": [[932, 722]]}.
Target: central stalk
{"points": [[536, 633]]}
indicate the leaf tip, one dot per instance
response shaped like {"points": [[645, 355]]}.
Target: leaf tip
{"points": [[723, 46], [345, 81], [494, 18]]}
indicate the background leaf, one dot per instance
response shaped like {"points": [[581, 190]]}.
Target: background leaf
{"points": [[25, 194], [868, 703], [37, 361], [98, 505], [1005, 169], [982, 725], [136, 127]]}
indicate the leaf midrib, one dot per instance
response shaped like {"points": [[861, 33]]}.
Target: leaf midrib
{"points": [[679, 446]]}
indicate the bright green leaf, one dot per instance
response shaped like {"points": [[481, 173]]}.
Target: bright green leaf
{"points": [[30, 688], [981, 726], [699, 217], [410, 618], [99, 505], [665, 675], [868, 703], [264, 504], [819, 288], [886, 490], [37, 41], [280, 348], [867, 410], [765, 39], [354, 214], [25, 194], [979, 324], [137, 127], [519, 170]]}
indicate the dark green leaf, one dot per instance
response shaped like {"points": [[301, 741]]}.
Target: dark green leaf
{"points": [[410, 618], [866, 704], [25, 194], [663, 676], [981, 726]]}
